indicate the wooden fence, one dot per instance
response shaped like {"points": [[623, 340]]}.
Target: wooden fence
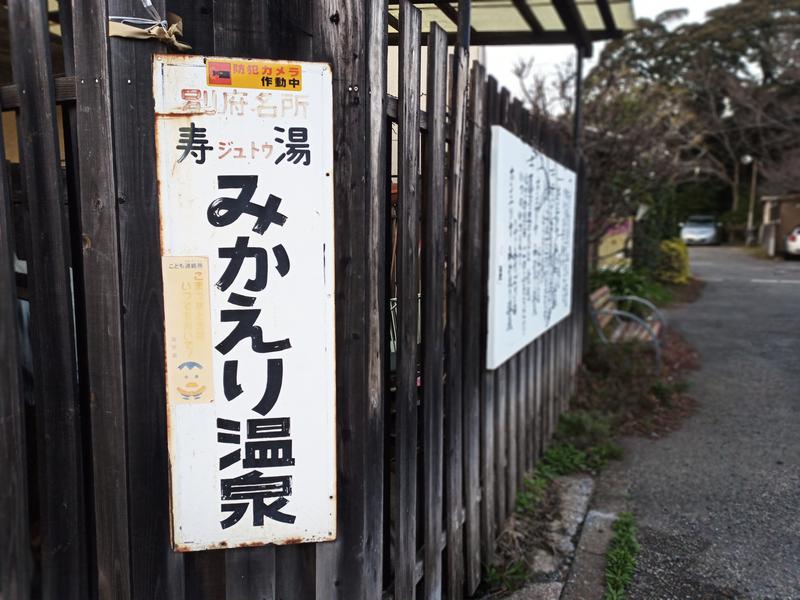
{"points": [[432, 447]]}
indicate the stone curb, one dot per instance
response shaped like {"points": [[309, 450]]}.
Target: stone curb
{"points": [[587, 577], [551, 566]]}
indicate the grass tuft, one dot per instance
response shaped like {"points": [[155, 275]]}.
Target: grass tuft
{"points": [[621, 557], [508, 577]]}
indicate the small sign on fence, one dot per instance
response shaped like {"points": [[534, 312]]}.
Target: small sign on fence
{"points": [[245, 168], [531, 245]]}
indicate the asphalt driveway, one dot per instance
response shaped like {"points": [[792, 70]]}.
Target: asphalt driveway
{"points": [[718, 502]]}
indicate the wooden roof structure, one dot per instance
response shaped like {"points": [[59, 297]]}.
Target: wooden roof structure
{"points": [[519, 22]]}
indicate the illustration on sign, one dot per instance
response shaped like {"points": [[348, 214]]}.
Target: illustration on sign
{"points": [[531, 230], [245, 168]]}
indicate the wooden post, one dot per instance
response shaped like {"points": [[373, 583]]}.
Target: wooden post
{"points": [[351, 35], [156, 571], [512, 431], [488, 391], [454, 447], [474, 335], [59, 455], [407, 284], [102, 299], [433, 310]]}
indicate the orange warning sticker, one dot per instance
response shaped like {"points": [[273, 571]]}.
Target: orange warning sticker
{"points": [[256, 74]]}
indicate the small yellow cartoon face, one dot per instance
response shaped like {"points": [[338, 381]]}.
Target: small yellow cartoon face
{"points": [[189, 388]]}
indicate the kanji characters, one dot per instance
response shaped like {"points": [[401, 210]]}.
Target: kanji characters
{"points": [[268, 445], [297, 148], [192, 140], [254, 488]]}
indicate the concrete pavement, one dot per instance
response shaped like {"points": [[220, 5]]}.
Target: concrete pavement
{"points": [[718, 502]]}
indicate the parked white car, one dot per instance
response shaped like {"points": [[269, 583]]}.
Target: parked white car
{"points": [[792, 247], [700, 229]]}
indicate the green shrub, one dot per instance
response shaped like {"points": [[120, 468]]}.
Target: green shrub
{"points": [[584, 428], [631, 283], [674, 264], [617, 379]]}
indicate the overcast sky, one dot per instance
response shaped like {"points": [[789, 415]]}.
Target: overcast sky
{"points": [[500, 60]]}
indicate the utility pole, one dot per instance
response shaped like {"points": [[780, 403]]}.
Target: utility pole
{"points": [[750, 234]]}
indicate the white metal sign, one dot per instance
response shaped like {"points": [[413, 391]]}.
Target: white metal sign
{"points": [[531, 232], [245, 169]]}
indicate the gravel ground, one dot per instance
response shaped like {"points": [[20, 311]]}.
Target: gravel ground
{"points": [[718, 502]]}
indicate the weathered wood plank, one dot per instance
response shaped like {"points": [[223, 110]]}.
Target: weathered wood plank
{"points": [[522, 377], [581, 268], [501, 443], [558, 338], [205, 576], [511, 115], [255, 29], [15, 555], [565, 368], [433, 312], [545, 389], [541, 408], [497, 112], [295, 578], [542, 393], [350, 35], [59, 455], [198, 18], [473, 327], [102, 299], [551, 386], [488, 394], [488, 469], [561, 337], [522, 415], [407, 313], [64, 92], [454, 482], [391, 112], [156, 571], [250, 574], [512, 391], [378, 191], [530, 408]]}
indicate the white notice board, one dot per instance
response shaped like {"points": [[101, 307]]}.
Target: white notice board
{"points": [[531, 232], [245, 170]]}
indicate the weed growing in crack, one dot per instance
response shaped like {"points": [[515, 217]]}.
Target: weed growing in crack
{"points": [[508, 577], [621, 557]]}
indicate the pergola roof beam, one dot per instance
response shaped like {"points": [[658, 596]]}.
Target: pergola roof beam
{"points": [[527, 14], [524, 22], [450, 12], [571, 17], [608, 18], [514, 38]]}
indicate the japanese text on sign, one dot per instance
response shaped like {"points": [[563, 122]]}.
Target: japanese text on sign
{"points": [[256, 74], [246, 206], [531, 225]]}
